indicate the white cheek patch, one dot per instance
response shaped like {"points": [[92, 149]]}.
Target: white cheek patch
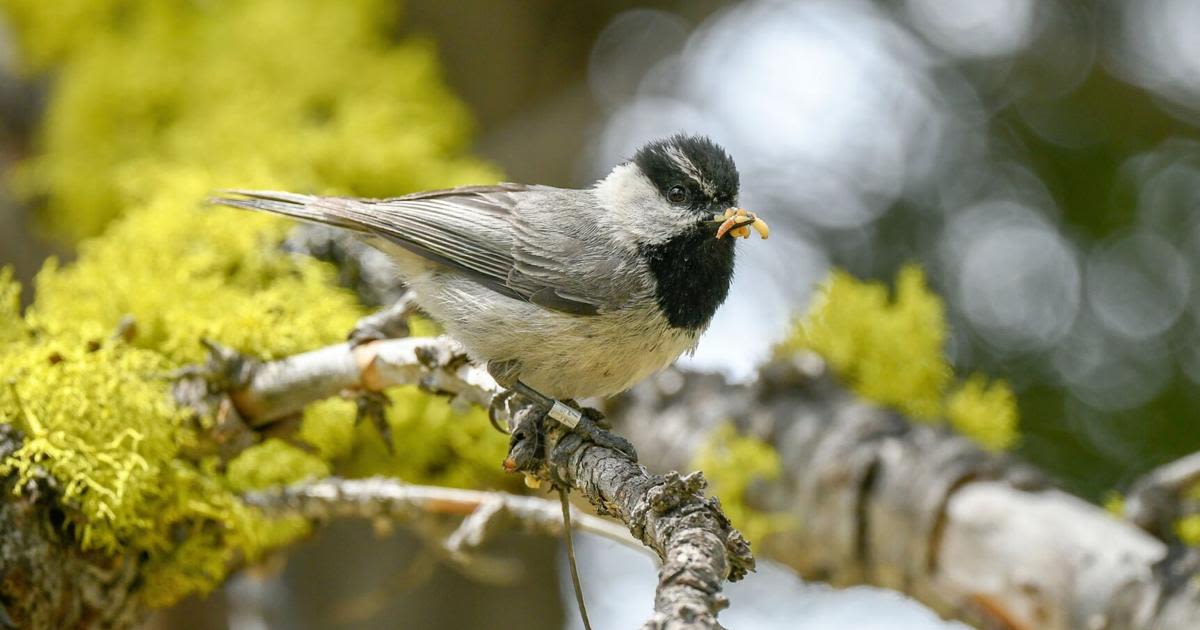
{"points": [[634, 207]]}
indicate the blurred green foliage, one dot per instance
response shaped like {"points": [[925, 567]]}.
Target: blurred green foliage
{"points": [[891, 351], [314, 94], [1189, 526], [154, 105], [733, 463]]}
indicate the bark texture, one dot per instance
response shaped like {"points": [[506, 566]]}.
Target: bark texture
{"points": [[871, 498]]}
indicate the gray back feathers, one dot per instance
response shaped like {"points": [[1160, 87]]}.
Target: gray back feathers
{"points": [[532, 243]]}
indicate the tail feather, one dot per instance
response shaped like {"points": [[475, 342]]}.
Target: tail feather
{"points": [[310, 208]]}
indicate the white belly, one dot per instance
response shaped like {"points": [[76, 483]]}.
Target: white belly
{"points": [[561, 356]]}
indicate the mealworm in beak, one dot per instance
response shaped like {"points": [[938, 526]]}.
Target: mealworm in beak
{"points": [[733, 217], [725, 227], [760, 226]]}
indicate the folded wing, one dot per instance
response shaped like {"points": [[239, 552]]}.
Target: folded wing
{"points": [[470, 229]]}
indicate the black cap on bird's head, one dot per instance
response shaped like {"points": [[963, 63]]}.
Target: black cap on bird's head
{"points": [[690, 171], [696, 174]]}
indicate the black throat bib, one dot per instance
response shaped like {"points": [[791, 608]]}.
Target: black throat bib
{"points": [[693, 272]]}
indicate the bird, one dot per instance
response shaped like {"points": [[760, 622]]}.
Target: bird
{"points": [[563, 293]]}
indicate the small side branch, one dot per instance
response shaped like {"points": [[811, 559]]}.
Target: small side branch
{"points": [[486, 513], [279, 389]]}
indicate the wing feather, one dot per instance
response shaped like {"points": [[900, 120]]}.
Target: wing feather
{"points": [[471, 229]]}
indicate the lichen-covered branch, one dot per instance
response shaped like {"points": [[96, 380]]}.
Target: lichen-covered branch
{"points": [[47, 584], [698, 546], [865, 496]]}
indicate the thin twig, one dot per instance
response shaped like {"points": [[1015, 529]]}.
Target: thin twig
{"points": [[375, 497]]}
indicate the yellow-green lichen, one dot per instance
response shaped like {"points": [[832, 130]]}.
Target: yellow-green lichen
{"points": [[733, 463], [184, 273], [274, 463], [440, 445], [890, 350], [433, 443], [318, 95], [107, 470], [985, 411], [1114, 503], [1188, 529], [12, 327], [152, 106], [96, 419]]}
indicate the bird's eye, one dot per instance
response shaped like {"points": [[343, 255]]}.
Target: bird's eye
{"points": [[677, 194]]}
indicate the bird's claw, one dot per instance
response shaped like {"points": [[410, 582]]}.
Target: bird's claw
{"points": [[591, 429], [225, 369], [587, 431], [528, 439], [499, 411], [366, 331]]}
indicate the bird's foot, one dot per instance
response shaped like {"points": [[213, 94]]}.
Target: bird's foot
{"points": [[531, 431], [591, 428], [208, 389], [594, 427], [527, 439], [532, 428]]}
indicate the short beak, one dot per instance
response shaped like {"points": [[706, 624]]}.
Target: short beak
{"points": [[738, 222]]}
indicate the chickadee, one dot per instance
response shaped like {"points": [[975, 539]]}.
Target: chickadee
{"points": [[564, 293]]}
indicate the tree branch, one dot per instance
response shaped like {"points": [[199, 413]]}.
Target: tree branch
{"points": [[1160, 498], [691, 535], [869, 497], [486, 513]]}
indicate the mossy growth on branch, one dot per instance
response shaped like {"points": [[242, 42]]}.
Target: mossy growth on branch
{"points": [[152, 106], [889, 349]]}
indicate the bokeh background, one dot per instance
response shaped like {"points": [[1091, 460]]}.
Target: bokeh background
{"points": [[1040, 159]]}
